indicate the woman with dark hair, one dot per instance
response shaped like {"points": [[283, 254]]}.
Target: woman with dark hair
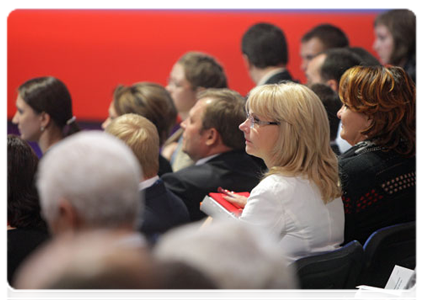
{"points": [[378, 173], [395, 42], [44, 112], [149, 100], [25, 227]]}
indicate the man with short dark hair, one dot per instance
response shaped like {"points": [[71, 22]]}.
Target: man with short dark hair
{"points": [[265, 52], [212, 139], [319, 39], [328, 66]]}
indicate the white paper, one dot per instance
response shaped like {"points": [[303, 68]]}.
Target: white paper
{"points": [[396, 283], [398, 279]]}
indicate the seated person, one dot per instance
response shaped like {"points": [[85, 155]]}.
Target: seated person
{"points": [[162, 209], [191, 74], [212, 139], [298, 200], [151, 101], [320, 38], [378, 174], [89, 181], [95, 259], [235, 255], [44, 112], [265, 53], [26, 229], [332, 104], [395, 39]]}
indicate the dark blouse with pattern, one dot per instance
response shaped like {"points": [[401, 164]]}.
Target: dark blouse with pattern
{"points": [[379, 189]]}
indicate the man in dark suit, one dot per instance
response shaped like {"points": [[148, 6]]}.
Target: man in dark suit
{"points": [[212, 139], [265, 52], [162, 209]]}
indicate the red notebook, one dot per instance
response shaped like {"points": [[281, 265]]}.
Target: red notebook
{"points": [[233, 207]]}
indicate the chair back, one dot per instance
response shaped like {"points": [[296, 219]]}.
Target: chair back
{"points": [[385, 248], [337, 269]]}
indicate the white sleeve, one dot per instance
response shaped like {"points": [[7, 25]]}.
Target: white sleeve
{"points": [[265, 206]]}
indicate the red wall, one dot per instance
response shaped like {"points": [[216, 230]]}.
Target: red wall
{"points": [[94, 50]]}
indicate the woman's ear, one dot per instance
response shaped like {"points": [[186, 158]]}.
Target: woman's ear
{"points": [[44, 119]]}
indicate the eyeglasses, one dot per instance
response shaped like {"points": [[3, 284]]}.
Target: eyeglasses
{"points": [[255, 120]]}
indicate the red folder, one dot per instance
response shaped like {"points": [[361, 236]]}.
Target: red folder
{"points": [[230, 208]]}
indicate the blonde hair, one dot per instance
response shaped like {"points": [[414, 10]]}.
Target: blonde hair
{"points": [[141, 136], [303, 145]]}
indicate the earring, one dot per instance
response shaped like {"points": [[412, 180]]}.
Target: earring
{"points": [[42, 128]]}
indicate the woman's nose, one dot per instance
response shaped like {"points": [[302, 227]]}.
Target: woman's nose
{"points": [[243, 126]]}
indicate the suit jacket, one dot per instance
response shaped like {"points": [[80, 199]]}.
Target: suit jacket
{"points": [[233, 170], [164, 165], [284, 75], [162, 210]]}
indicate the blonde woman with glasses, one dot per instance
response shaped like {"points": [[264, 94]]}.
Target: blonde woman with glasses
{"points": [[298, 199]]}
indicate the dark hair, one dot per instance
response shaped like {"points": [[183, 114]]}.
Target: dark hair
{"points": [[50, 95], [203, 70], [387, 95], [330, 36], [23, 206], [332, 104], [337, 61], [149, 100], [265, 45], [367, 59], [401, 23], [225, 114]]}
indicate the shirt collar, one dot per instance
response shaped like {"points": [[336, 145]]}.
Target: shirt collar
{"points": [[270, 74], [205, 159], [148, 182]]}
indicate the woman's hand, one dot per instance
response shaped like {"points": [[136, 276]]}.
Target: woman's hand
{"points": [[238, 200]]}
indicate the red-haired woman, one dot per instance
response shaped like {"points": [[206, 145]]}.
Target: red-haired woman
{"points": [[378, 173]]}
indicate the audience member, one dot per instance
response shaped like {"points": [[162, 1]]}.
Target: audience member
{"points": [[367, 59], [328, 66], [89, 260], [298, 200], [162, 209], [235, 255], [332, 104], [265, 52], [378, 173], [192, 73], [26, 229], [151, 101], [90, 181], [44, 112], [395, 41], [211, 138], [321, 38]]}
